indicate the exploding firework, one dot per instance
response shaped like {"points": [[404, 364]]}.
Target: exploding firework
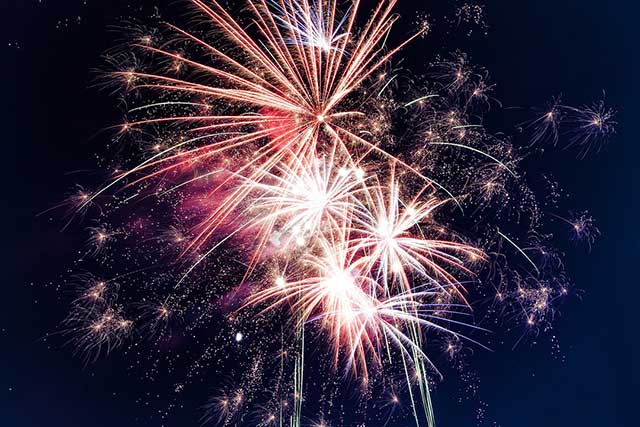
{"points": [[274, 194], [588, 128]]}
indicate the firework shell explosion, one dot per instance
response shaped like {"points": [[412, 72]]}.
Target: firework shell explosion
{"points": [[280, 181]]}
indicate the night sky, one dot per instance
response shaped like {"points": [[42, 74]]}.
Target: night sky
{"points": [[534, 51]]}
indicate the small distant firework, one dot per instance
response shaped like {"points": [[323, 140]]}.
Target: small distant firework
{"points": [[289, 184], [546, 128], [592, 127], [583, 227], [588, 128], [97, 324], [100, 237]]}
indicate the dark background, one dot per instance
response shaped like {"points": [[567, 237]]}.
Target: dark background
{"points": [[534, 50]]}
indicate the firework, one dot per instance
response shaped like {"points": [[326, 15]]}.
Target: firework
{"points": [[273, 158], [588, 128]]}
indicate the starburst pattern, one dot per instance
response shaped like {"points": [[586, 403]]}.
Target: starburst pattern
{"points": [[274, 179]]}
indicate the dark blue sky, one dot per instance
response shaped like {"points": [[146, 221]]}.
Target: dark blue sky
{"points": [[534, 50]]}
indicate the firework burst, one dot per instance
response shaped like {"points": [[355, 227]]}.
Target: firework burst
{"points": [[290, 201]]}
